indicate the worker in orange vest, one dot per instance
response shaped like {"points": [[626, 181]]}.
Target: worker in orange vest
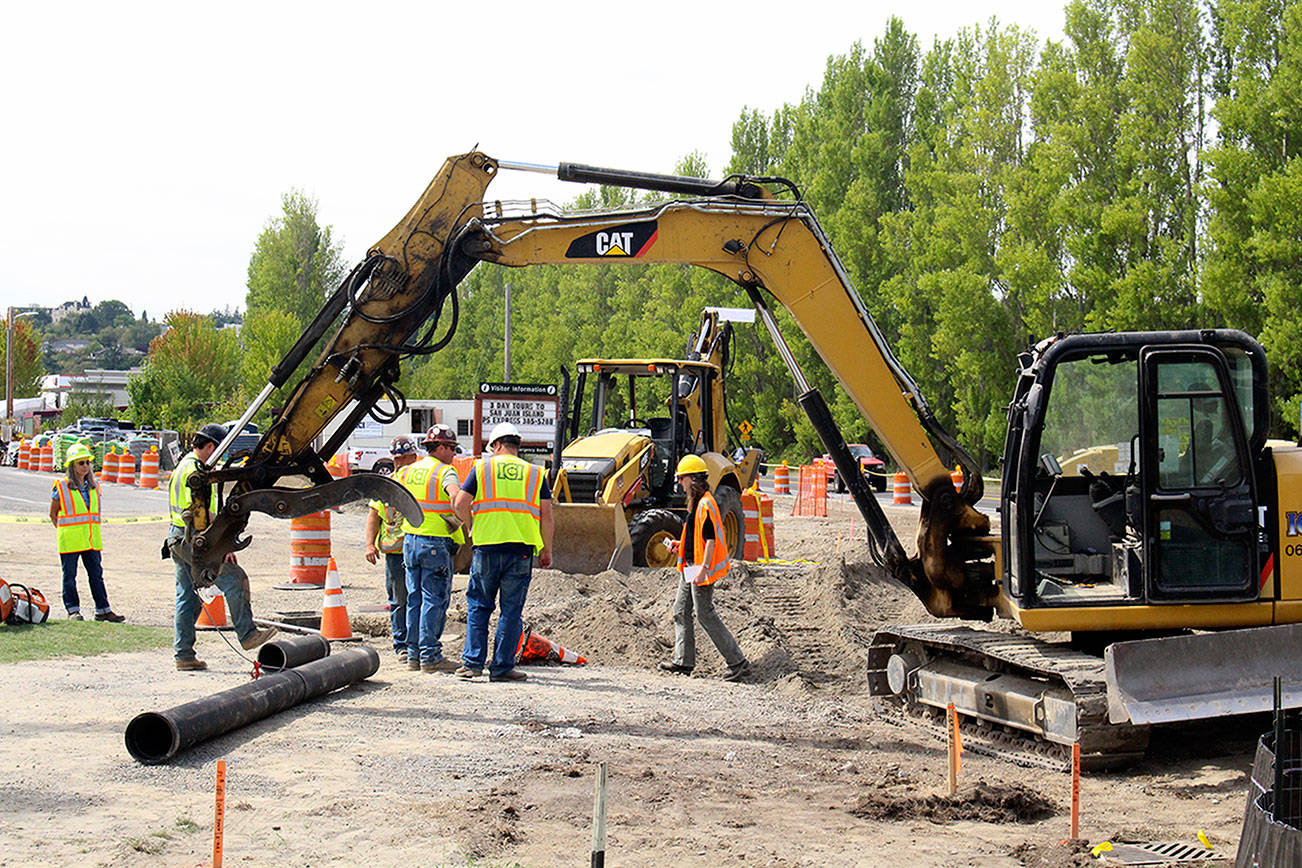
{"points": [[702, 561]]}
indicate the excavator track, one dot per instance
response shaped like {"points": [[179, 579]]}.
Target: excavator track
{"points": [[1010, 688]]}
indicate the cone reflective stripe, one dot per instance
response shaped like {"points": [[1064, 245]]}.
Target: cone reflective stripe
{"points": [[956, 476], [334, 614], [533, 648], [758, 511], [212, 614], [149, 469], [903, 492], [782, 479], [309, 549]]}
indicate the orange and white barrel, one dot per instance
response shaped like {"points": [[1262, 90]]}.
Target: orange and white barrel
{"points": [[758, 511], [956, 476], [25, 455], [903, 491], [309, 549], [149, 468], [782, 479], [47, 458], [110, 473], [126, 468]]}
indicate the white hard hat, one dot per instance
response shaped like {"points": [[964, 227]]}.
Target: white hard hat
{"points": [[503, 429]]}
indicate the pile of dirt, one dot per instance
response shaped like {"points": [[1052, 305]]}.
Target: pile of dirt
{"points": [[893, 798]]}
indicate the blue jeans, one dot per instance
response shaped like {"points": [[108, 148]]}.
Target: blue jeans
{"points": [[94, 573], [232, 583], [494, 574], [395, 585], [428, 560]]}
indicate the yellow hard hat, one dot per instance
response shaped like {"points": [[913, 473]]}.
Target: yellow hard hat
{"points": [[691, 464], [77, 452]]}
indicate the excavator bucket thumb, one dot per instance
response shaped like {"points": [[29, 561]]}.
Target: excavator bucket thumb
{"points": [[591, 538], [1203, 675]]}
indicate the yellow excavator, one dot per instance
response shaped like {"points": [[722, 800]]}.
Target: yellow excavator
{"points": [[1171, 583], [615, 501]]}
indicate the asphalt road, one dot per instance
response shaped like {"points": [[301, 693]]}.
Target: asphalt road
{"points": [[26, 494]]}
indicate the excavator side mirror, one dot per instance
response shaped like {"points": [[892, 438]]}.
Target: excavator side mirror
{"points": [[1050, 464]]}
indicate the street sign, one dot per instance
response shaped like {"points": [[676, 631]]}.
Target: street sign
{"points": [[530, 407]]}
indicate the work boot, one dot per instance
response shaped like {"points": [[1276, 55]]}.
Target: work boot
{"points": [[443, 665], [675, 668], [509, 675], [75, 616], [738, 672], [413, 663], [110, 615], [256, 638], [191, 665], [467, 672]]}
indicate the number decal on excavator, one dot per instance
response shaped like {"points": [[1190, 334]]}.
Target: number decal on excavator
{"points": [[628, 239]]}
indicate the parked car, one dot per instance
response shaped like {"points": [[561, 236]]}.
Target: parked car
{"points": [[369, 458], [872, 466]]}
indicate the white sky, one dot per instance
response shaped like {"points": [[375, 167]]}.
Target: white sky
{"points": [[147, 144]]}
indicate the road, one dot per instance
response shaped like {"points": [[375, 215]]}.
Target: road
{"points": [[26, 494]]}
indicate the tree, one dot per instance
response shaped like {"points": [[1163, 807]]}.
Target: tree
{"points": [[190, 376], [27, 366], [265, 337], [295, 264]]}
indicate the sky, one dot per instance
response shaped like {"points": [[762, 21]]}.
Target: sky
{"points": [[148, 144]]}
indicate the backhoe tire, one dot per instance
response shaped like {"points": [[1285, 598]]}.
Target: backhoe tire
{"points": [[650, 530], [734, 520]]}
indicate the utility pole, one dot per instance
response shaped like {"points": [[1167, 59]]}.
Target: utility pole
{"points": [[506, 355]]}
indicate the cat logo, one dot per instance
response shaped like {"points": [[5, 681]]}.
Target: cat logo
{"points": [[626, 240]]}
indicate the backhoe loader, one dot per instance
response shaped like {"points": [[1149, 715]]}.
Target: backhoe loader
{"points": [[615, 499], [1177, 574]]}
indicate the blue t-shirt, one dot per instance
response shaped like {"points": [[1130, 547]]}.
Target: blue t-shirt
{"points": [[471, 487]]}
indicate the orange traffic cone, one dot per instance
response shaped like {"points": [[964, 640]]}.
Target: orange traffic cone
{"points": [[334, 614], [539, 649], [956, 477], [212, 616]]}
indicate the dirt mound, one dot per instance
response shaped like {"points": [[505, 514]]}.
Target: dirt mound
{"points": [[986, 802]]}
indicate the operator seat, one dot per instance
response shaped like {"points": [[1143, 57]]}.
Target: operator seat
{"points": [[661, 430]]}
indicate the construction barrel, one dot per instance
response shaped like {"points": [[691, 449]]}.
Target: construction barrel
{"points": [[25, 455], [149, 468], [309, 550], [758, 511], [903, 491], [782, 479], [956, 476]]}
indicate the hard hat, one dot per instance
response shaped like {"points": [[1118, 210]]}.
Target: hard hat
{"points": [[440, 434], [503, 429], [402, 446], [691, 464], [77, 452], [210, 433]]}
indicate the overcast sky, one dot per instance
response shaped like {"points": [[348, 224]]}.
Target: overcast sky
{"points": [[146, 145]]}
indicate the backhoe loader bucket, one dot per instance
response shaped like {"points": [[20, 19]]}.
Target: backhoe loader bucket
{"points": [[1203, 675], [591, 538]]}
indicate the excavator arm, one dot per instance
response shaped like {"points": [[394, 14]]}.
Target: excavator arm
{"points": [[771, 248]]}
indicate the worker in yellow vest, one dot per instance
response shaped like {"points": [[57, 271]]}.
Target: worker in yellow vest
{"points": [[74, 511], [385, 537], [702, 561], [232, 581], [428, 548], [507, 504]]}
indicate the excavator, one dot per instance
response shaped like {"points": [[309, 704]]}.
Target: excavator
{"points": [[615, 499], [1167, 587]]}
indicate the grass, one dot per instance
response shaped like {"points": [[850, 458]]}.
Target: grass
{"points": [[19, 642]]}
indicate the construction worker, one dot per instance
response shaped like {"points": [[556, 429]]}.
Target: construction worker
{"points": [[428, 548], [702, 561], [384, 536], [232, 581], [74, 511], [509, 502]]}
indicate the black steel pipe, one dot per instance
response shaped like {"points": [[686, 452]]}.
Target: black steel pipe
{"points": [[733, 186], [290, 651], [157, 736]]}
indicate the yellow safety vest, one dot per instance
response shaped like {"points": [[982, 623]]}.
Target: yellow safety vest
{"points": [[389, 539], [178, 492], [78, 521], [426, 481], [717, 568], [508, 502]]}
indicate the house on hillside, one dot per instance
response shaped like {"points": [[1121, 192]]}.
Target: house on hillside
{"points": [[70, 307]]}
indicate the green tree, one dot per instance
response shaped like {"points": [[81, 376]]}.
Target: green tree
{"points": [[190, 375], [265, 338], [28, 368], [295, 263]]}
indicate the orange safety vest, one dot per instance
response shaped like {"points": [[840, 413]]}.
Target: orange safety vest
{"points": [[717, 568], [78, 521]]}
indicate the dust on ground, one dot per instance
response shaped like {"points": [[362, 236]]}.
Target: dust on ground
{"points": [[796, 767]]}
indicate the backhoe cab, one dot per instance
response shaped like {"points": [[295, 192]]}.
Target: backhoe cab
{"points": [[631, 421]]}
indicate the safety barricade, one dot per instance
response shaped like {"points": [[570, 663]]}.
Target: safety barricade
{"points": [[25, 455], [903, 491], [956, 477], [149, 468], [110, 472], [309, 550], [462, 464], [758, 511], [782, 479], [811, 499], [126, 468], [338, 467], [47, 458]]}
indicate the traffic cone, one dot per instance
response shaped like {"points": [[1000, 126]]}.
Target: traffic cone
{"points": [[212, 616], [956, 477], [533, 648], [334, 614]]}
